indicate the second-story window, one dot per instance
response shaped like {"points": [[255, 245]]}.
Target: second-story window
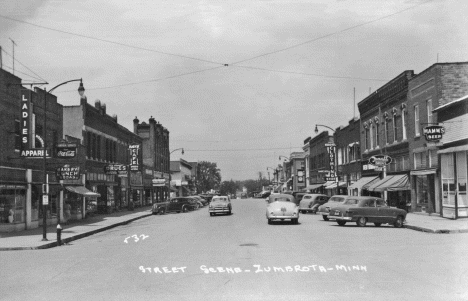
{"points": [[376, 134], [395, 128], [429, 110], [403, 124], [371, 136], [416, 121]]}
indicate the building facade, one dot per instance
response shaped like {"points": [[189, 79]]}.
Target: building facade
{"points": [[319, 163], [384, 141], [453, 157], [294, 172], [438, 85], [181, 174], [155, 144]]}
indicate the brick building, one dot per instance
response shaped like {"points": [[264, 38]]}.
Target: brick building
{"points": [[383, 132], [106, 143], [155, 144], [294, 172], [436, 86]]}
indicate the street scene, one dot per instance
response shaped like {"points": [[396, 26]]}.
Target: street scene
{"points": [[233, 150], [195, 256]]}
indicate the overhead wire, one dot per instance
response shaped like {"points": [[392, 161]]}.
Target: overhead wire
{"points": [[109, 41], [333, 33], [16, 60], [239, 149]]}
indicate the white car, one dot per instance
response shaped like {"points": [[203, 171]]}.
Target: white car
{"points": [[282, 207], [220, 204]]}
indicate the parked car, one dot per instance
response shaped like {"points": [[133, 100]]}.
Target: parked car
{"points": [[202, 200], [195, 203], [282, 207], [243, 195], [220, 204], [334, 201], [363, 209], [159, 208], [180, 204], [311, 201]]}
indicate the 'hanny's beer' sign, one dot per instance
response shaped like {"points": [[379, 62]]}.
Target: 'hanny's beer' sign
{"points": [[434, 132]]}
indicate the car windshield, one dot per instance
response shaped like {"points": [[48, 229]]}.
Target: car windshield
{"points": [[351, 202], [307, 197], [336, 199], [281, 199]]}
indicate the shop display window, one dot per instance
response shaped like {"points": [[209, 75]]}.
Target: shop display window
{"points": [[422, 187], [12, 205], [110, 196], [72, 203], [461, 178], [448, 179]]}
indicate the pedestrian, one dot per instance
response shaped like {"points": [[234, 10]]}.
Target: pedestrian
{"points": [[11, 216]]}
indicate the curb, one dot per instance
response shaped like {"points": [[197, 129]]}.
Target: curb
{"points": [[436, 231], [75, 237]]}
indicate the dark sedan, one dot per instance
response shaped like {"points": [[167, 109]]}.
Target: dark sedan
{"points": [[361, 210]]}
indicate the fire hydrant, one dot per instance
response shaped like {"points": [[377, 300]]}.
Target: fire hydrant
{"points": [[59, 234]]}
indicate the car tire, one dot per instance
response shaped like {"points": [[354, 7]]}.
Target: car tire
{"points": [[378, 224], [341, 223], [399, 222], [178, 211], [269, 221], [325, 218], [211, 214], [295, 221], [229, 213], [185, 209], [361, 222], [162, 211]]}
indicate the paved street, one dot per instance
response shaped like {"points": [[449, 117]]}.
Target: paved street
{"points": [[193, 256]]}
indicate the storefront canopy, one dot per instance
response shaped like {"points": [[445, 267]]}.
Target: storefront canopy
{"points": [[333, 186], [314, 186], [362, 181], [82, 190], [391, 183], [369, 184]]}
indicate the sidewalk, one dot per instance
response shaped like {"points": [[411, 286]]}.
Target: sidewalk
{"points": [[32, 239], [435, 224]]}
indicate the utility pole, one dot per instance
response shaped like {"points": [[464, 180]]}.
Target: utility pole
{"points": [[13, 55], [1, 64]]}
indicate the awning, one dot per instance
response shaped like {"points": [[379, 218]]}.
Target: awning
{"points": [[391, 183], [314, 186], [369, 184], [333, 186], [82, 190], [423, 172], [186, 189], [453, 149], [361, 182]]}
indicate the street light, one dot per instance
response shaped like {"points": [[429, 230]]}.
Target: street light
{"points": [[336, 158], [177, 149], [279, 158], [269, 173], [316, 129], [45, 186]]}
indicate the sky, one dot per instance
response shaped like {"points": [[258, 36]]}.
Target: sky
{"points": [[236, 82]]}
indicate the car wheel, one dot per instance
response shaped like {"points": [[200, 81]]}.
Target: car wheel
{"points": [[178, 211], [399, 222], [325, 218], [269, 221], [162, 211], [211, 213], [341, 223], [295, 221], [229, 213], [361, 222], [378, 224], [185, 209]]}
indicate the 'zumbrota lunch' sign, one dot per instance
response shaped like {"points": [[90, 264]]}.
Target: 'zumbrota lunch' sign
{"points": [[380, 160], [434, 132], [68, 172]]}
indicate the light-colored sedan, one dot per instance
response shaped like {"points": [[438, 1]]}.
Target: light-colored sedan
{"points": [[334, 201], [310, 202], [220, 204], [282, 207]]}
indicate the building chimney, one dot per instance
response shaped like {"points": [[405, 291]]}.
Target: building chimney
{"points": [[97, 104], [115, 117], [103, 109], [135, 125]]}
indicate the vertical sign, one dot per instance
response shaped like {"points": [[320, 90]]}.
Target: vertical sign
{"points": [[331, 148], [25, 118], [134, 157]]}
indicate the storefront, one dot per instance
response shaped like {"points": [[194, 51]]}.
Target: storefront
{"points": [[423, 189], [453, 181], [357, 187], [13, 206], [397, 189], [78, 202]]}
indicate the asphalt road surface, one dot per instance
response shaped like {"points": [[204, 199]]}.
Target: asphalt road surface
{"points": [[192, 256]]}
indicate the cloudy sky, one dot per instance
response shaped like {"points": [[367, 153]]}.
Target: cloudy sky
{"points": [[290, 64]]}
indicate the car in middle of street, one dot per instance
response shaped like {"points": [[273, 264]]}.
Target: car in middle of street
{"points": [[220, 204], [282, 207]]}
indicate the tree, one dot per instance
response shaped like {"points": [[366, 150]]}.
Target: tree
{"points": [[228, 187], [208, 176]]}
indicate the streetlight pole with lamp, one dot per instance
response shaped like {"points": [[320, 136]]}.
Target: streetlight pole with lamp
{"points": [[335, 159], [170, 173], [45, 186]]}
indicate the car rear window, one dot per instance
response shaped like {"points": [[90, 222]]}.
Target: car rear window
{"points": [[351, 202], [281, 199], [220, 199], [307, 197]]}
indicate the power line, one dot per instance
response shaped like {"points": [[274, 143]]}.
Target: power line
{"points": [[29, 75], [314, 74], [111, 42], [149, 81], [333, 33]]}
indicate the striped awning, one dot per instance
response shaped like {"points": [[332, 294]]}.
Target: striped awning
{"points": [[391, 183]]}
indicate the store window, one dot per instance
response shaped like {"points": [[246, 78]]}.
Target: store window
{"points": [[448, 179], [461, 178], [12, 205]]}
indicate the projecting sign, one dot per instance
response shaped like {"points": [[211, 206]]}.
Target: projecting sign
{"points": [[434, 132], [25, 118], [134, 157], [115, 169], [34, 153], [159, 182], [330, 179], [45, 199], [68, 172], [66, 150], [380, 160]]}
